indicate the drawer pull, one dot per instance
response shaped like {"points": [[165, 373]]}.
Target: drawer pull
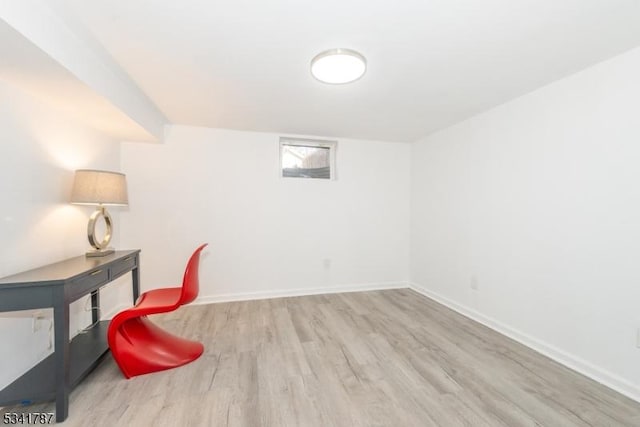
{"points": [[95, 272], [128, 258]]}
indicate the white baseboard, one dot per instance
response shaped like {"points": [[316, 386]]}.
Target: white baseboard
{"points": [[283, 293], [573, 362]]}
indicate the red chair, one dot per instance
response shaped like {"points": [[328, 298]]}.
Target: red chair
{"points": [[140, 347]]}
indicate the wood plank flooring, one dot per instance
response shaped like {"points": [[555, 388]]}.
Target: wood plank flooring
{"points": [[383, 358]]}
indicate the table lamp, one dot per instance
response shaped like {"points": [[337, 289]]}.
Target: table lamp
{"points": [[101, 189]]}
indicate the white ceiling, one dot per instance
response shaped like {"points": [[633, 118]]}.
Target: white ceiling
{"points": [[244, 64]]}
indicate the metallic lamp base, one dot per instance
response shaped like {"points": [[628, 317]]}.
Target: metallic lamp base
{"points": [[100, 252], [100, 247]]}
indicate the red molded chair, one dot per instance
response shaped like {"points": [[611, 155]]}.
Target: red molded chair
{"points": [[140, 347]]}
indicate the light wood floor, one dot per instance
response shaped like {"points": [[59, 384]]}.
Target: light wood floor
{"points": [[384, 358]]}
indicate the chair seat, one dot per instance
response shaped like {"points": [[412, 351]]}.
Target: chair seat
{"points": [[168, 298]]}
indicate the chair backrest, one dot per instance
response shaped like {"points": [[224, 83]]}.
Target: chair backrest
{"points": [[190, 282]]}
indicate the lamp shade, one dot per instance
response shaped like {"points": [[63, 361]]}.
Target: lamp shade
{"points": [[95, 187]]}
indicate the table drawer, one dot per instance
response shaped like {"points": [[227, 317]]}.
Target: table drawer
{"points": [[85, 284], [123, 266]]}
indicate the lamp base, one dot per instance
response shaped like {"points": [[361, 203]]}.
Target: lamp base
{"points": [[99, 252]]}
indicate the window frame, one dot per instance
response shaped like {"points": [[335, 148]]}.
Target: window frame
{"points": [[332, 145]]}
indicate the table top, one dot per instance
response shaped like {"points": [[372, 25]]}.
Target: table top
{"points": [[62, 271]]}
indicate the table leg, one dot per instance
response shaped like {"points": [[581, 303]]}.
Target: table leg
{"points": [[61, 353], [95, 307], [135, 275]]}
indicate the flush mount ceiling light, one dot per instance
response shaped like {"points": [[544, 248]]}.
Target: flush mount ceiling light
{"points": [[338, 66]]}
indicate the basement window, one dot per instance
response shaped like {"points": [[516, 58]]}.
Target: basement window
{"points": [[307, 158]]}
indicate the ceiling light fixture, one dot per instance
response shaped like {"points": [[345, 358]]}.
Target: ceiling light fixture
{"points": [[338, 66]]}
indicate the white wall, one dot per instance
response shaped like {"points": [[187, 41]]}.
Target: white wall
{"points": [[267, 235], [537, 202], [39, 150]]}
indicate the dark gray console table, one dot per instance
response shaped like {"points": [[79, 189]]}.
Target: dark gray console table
{"points": [[57, 285]]}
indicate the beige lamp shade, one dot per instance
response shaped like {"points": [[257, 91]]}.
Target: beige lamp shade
{"points": [[95, 187]]}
